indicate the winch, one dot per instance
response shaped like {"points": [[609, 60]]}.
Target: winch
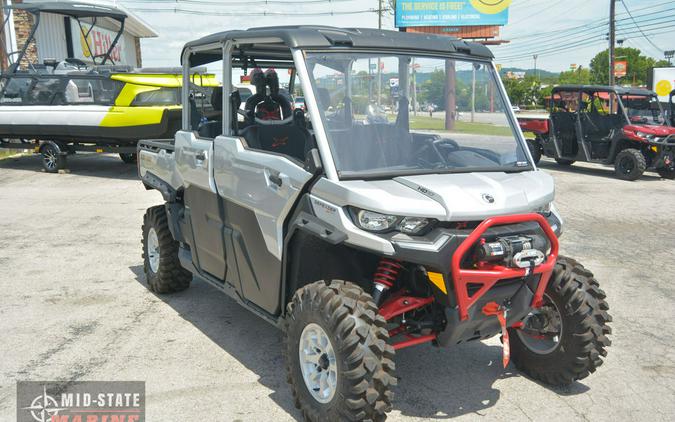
{"points": [[515, 251]]}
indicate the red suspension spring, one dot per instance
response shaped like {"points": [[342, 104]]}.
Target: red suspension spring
{"points": [[387, 272]]}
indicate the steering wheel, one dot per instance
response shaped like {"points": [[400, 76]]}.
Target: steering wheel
{"points": [[423, 158]]}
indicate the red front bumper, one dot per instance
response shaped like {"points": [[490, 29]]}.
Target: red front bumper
{"points": [[487, 276]]}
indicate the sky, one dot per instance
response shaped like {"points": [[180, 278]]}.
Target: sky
{"points": [[561, 32]]}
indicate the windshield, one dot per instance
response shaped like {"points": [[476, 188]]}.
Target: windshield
{"points": [[643, 109], [390, 115]]}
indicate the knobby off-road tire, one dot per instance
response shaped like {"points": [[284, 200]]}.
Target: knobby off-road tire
{"points": [[584, 337], [535, 150], [167, 276], [564, 161], [365, 366], [128, 158], [666, 173], [629, 164]]}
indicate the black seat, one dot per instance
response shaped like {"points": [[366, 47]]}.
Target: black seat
{"points": [[214, 126], [288, 139]]}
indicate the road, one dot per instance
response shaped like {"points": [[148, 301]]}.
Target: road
{"points": [[75, 307]]}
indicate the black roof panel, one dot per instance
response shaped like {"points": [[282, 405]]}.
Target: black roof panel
{"points": [[618, 89], [327, 37]]}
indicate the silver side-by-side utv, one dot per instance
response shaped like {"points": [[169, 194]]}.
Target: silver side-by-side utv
{"points": [[400, 206]]}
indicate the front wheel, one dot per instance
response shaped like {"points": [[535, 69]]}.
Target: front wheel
{"points": [[338, 359], [630, 163], [535, 150], [564, 340], [666, 173], [128, 158]]}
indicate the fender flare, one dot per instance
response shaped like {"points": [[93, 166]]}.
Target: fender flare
{"points": [[150, 181], [303, 219]]}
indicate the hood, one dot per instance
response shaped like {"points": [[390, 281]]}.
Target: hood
{"points": [[447, 197], [655, 130]]}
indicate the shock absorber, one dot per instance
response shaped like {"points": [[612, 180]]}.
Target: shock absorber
{"points": [[385, 277]]}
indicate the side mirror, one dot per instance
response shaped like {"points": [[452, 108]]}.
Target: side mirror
{"points": [[313, 162]]}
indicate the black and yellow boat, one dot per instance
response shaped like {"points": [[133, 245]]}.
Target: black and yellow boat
{"points": [[57, 108]]}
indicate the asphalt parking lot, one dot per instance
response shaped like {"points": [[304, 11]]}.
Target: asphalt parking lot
{"points": [[74, 306]]}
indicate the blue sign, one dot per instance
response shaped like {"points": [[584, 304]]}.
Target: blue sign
{"points": [[451, 13]]}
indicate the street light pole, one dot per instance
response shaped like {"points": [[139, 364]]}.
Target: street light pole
{"points": [[669, 55], [536, 74]]}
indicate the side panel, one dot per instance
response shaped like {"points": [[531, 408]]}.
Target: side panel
{"points": [[205, 213], [193, 160], [258, 191]]}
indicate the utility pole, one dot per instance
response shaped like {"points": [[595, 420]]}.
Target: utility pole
{"points": [[612, 36], [380, 11]]}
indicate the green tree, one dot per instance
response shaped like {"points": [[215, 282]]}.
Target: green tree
{"points": [[433, 89], [526, 91], [579, 76], [639, 66]]}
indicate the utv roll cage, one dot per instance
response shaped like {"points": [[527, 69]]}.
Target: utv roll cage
{"points": [[278, 47], [76, 11], [618, 90]]}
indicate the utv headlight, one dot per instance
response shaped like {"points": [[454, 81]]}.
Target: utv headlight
{"points": [[380, 223], [644, 135], [413, 225], [374, 221]]}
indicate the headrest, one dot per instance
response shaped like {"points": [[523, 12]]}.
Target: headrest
{"points": [[272, 80], [258, 80]]}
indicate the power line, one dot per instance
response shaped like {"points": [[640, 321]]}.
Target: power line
{"points": [[245, 13], [237, 2], [579, 44], [531, 46], [596, 23], [638, 27]]}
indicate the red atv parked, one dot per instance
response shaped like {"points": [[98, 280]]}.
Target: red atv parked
{"points": [[607, 125]]}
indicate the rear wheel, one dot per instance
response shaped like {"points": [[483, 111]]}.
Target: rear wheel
{"points": [[564, 161], [564, 340], [535, 150], [53, 159], [128, 158], [630, 163], [666, 173], [338, 360], [160, 254]]}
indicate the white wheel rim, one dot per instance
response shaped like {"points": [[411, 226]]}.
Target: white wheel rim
{"points": [[318, 363], [153, 250]]}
